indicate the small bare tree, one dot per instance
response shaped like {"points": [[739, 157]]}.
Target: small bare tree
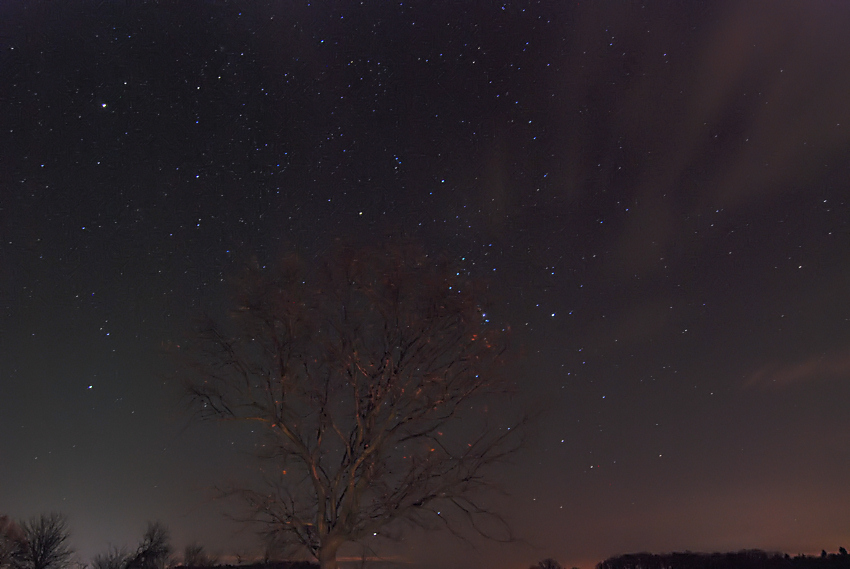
{"points": [[154, 550], [114, 558], [12, 541], [194, 555], [45, 544], [358, 370]]}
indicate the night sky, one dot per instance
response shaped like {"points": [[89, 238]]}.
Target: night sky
{"points": [[658, 195]]}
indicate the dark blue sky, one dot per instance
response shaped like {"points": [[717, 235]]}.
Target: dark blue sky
{"points": [[658, 193]]}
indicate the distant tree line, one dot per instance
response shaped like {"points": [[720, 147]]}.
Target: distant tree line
{"points": [[548, 563], [274, 565], [43, 542], [747, 559]]}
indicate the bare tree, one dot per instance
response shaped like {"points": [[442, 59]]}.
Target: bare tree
{"points": [[195, 556], [114, 558], [358, 369], [12, 540], [155, 549], [45, 543]]}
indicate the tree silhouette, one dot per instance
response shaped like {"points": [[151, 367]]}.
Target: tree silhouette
{"points": [[12, 540], [745, 559], [114, 558], [45, 544], [154, 550], [357, 369], [195, 556]]}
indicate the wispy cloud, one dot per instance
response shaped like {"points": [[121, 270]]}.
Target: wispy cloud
{"points": [[824, 366]]}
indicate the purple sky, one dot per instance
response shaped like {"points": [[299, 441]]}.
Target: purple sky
{"points": [[659, 194]]}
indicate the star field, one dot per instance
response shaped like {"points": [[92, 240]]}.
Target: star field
{"points": [[657, 196]]}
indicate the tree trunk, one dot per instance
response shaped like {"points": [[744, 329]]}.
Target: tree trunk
{"points": [[327, 553]]}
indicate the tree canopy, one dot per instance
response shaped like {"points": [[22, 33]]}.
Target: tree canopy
{"points": [[368, 374]]}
